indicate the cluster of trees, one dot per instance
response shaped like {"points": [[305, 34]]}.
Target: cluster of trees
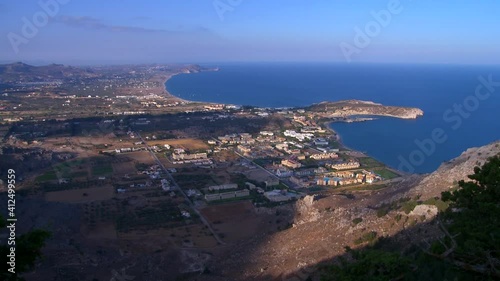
{"points": [[468, 250]]}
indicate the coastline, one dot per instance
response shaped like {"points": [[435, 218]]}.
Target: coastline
{"points": [[167, 93], [338, 139], [326, 124], [342, 145], [369, 115]]}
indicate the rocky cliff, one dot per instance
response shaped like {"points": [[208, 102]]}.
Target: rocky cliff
{"points": [[449, 173]]}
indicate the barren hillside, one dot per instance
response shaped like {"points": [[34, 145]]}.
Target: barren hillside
{"points": [[321, 228], [449, 173]]}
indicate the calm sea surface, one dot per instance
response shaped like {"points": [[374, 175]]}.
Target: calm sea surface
{"points": [[459, 117]]}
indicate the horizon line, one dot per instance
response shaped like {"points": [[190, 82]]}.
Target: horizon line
{"points": [[214, 63]]}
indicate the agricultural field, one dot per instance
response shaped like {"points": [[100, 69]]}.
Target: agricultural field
{"points": [[68, 169], [141, 157], [50, 175], [185, 236], [164, 214], [196, 235], [233, 221], [368, 162], [386, 173], [195, 180], [83, 195], [103, 169], [79, 169], [124, 168], [191, 144], [257, 174]]}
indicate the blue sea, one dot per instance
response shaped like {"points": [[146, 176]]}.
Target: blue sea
{"points": [[461, 103]]}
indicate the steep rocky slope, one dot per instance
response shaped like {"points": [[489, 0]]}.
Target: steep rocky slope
{"points": [[322, 227], [449, 173]]}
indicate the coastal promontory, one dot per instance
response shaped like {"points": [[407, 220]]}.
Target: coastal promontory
{"points": [[342, 109]]}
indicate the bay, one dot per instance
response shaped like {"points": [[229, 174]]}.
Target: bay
{"points": [[446, 94]]}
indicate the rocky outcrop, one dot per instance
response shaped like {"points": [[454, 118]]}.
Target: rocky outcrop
{"points": [[348, 108], [306, 211], [427, 211], [449, 173]]}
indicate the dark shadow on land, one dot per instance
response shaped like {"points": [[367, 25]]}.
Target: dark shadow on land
{"points": [[410, 228], [409, 242], [82, 245], [69, 255]]}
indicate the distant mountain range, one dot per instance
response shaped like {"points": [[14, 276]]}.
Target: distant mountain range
{"points": [[21, 72]]}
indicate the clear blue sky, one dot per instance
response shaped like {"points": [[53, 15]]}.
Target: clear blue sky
{"points": [[128, 31]]}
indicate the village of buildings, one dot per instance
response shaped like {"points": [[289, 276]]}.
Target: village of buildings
{"points": [[278, 166], [266, 166], [291, 161], [134, 160]]}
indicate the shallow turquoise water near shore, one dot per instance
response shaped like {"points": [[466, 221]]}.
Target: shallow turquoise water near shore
{"points": [[446, 93]]}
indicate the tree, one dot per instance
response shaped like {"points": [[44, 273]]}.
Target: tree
{"points": [[472, 223], [370, 264], [469, 249]]}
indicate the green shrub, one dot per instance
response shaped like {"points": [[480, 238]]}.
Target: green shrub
{"points": [[397, 218], [367, 237], [357, 220], [408, 206], [382, 212], [440, 204]]}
